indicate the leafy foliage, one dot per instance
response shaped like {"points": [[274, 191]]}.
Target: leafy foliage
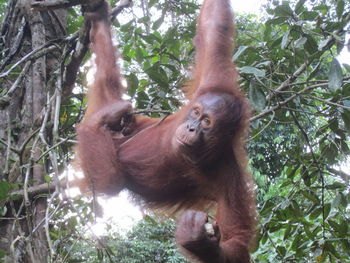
{"points": [[151, 240], [296, 152]]}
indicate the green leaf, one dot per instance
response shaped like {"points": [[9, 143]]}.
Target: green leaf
{"points": [[315, 213], [284, 10], [296, 209], [252, 70], [299, 6], [309, 15], [275, 43], [327, 209], [257, 97], [330, 152], [240, 50], [158, 23], [264, 238], [347, 67], [335, 185], [4, 190], [310, 235], [281, 250], [285, 39], [344, 228], [346, 119], [311, 45], [335, 75], [3, 211], [158, 75], [336, 201], [288, 232], [340, 8], [126, 27], [299, 43], [47, 178], [334, 225], [322, 44], [311, 196], [139, 54], [133, 83], [152, 3], [296, 242], [267, 208], [142, 99], [276, 21]]}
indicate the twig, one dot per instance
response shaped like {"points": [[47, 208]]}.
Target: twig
{"points": [[288, 81], [24, 144], [116, 11], [330, 40], [5, 100], [10, 147], [267, 125], [51, 148], [7, 158], [47, 227], [329, 102], [15, 46], [151, 111], [37, 53], [280, 104]]}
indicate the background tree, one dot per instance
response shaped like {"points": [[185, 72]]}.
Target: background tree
{"points": [[299, 139], [30, 56]]}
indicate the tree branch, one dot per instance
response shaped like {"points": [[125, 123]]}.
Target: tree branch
{"points": [[81, 48], [49, 5], [5, 100], [37, 53], [280, 104], [329, 42], [46, 188]]}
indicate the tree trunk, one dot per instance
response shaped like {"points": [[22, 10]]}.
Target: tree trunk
{"points": [[27, 93]]}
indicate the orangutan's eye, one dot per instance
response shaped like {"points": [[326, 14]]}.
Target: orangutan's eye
{"points": [[195, 113], [206, 122]]}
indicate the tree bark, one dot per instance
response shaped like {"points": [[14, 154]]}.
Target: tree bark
{"points": [[23, 124]]}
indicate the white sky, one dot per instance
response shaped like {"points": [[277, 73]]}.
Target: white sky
{"points": [[344, 56], [247, 6], [120, 209]]}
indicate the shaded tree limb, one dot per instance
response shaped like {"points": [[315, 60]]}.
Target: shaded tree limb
{"points": [[284, 102], [49, 5]]}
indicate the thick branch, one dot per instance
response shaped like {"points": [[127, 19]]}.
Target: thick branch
{"points": [[50, 5], [46, 188], [71, 70], [81, 48]]}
